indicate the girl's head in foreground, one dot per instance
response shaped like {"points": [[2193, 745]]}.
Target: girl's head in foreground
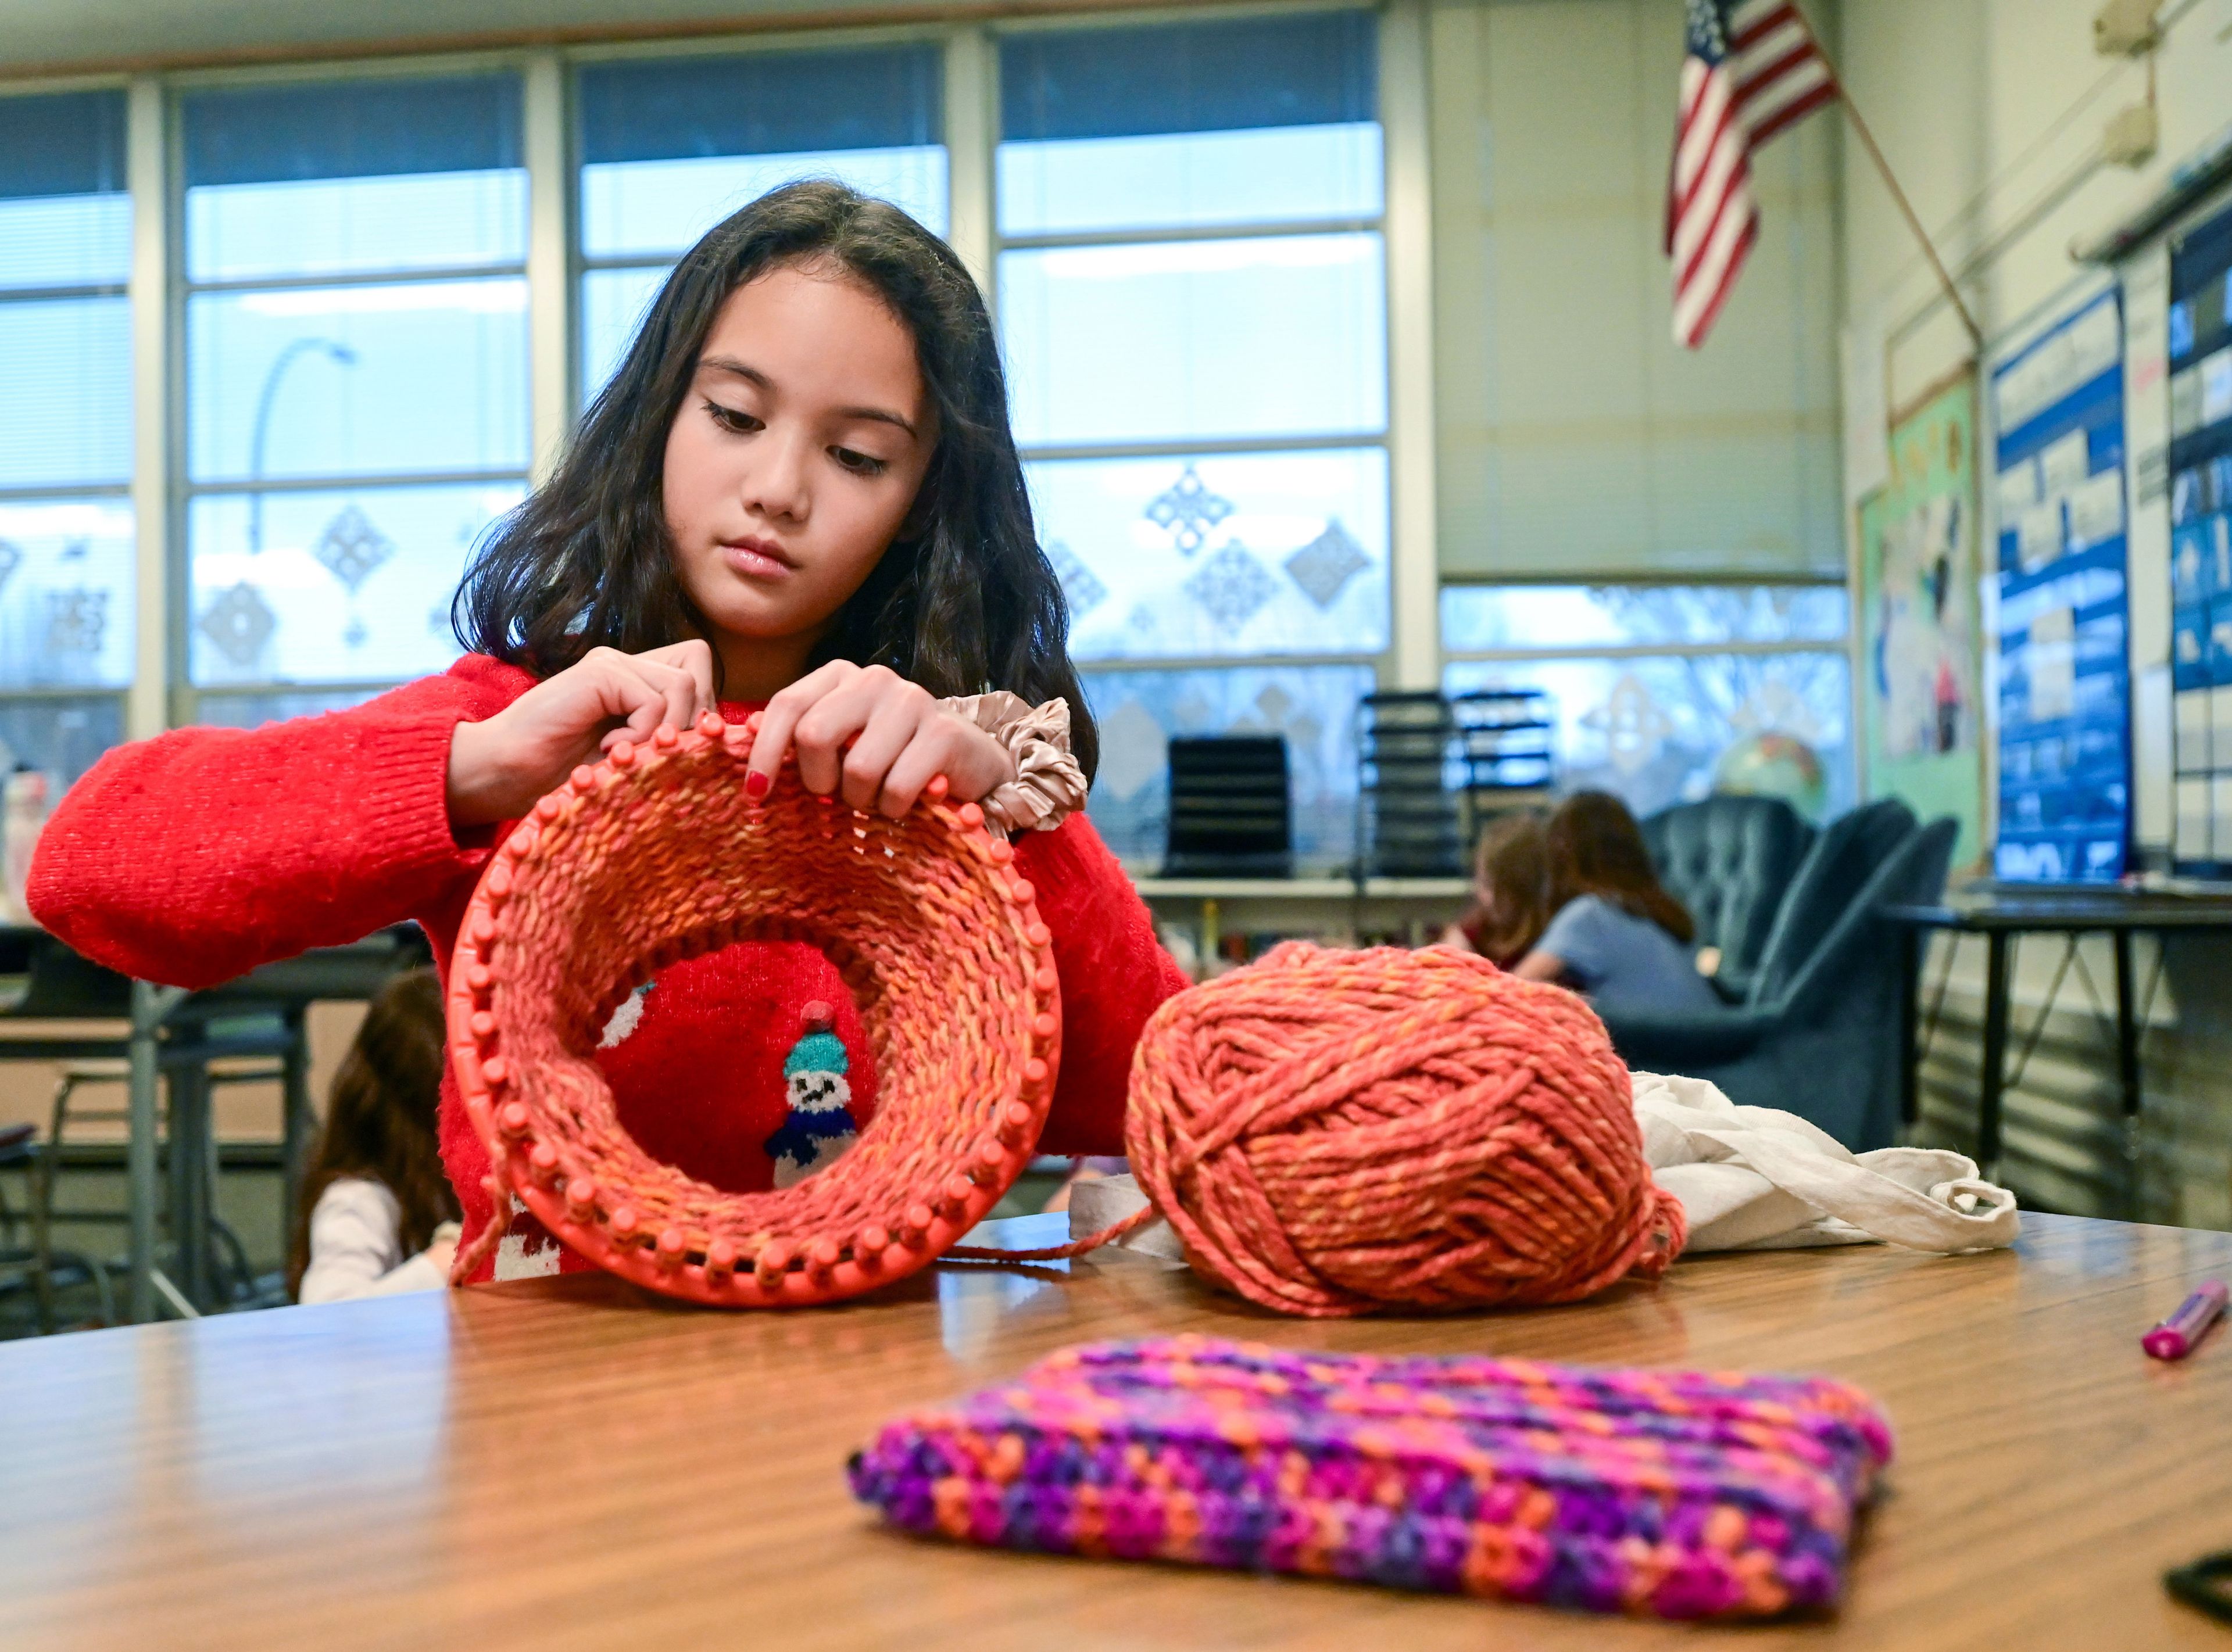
{"points": [[805, 455], [380, 1117]]}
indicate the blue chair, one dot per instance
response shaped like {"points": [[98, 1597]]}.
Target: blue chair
{"points": [[1817, 1034], [1729, 860]]}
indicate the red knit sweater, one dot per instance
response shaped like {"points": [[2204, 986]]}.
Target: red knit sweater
{"points": [[196, 856]]}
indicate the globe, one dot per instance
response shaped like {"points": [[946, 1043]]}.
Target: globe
{"points": [[1774, 765]]}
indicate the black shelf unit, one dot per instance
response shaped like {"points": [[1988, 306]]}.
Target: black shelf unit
{"points": [[1407, 748], [1507, 753]]}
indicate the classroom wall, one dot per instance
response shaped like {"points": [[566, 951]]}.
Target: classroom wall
{"points": [[1576, 438], [1990, 114]]}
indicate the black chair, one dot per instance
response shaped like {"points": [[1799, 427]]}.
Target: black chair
{"points": [[1730, 861], [1231, 810], [1818, 1032]]}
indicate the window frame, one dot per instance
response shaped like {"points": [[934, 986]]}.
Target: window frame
{"points": [[163, 695], [37, 493], [1846, 646], [183, 697], [1406, 251]]}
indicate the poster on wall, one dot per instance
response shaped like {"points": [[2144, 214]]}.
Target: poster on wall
{"points": [[2200, 476], [2065, 697], [1918, 594]]}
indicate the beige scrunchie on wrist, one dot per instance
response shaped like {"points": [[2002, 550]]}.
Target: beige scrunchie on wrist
{"points": [[1048, 786]]}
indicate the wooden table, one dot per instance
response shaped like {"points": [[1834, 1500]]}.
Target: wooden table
{"points": [[567, 1462]]}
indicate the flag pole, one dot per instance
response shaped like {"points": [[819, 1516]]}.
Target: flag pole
{"points": [[1906, 207]]}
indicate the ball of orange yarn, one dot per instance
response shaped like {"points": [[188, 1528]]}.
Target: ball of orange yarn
{"points": [[1334, 1132]]}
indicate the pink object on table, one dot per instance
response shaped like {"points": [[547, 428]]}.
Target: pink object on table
{"points": [[2177, 1337]]}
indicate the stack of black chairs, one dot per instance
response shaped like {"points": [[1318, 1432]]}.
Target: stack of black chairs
{"points": [[1230, 813], [1504, 751], [1408, 823]]}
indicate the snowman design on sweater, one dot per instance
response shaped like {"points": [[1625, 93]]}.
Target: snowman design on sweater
{"points": [[820, 1125]]}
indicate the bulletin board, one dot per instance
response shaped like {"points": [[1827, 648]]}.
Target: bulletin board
{"points": [[1920, 629], [2200, 544], [2064, 655]]}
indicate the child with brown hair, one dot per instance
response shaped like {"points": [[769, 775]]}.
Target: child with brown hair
{"points": [[376, 1215], [1575, 900]]}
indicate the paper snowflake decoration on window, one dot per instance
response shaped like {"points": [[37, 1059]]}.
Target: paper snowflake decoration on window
{"points": [[1187, 511], [1231, 586]]}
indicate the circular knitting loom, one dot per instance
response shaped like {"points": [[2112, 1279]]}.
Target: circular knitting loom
{"points": [[656, 854], [1332, 1133]]}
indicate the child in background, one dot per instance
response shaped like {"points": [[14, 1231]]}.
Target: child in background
{"points": [[1510, 890], [1576, 901], [375, 1193], [798, 493]]}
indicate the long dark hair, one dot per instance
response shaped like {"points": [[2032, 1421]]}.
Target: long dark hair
{"points": [[1597, 849], [962, 601], [381, 1118]]}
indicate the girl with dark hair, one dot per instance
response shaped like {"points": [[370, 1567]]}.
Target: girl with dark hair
{"points": [[1614, 933], [799, 493], [376, 1215]]}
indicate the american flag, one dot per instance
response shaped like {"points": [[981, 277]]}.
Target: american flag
{"points": [[1752, 70]]}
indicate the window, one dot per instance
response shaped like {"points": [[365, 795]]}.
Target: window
{"points": [[356, 391], [1660, 690], [1192, 295], [67, 580], [670, 146]]}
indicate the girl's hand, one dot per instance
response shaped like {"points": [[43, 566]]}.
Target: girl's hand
{"points": [[443, 1252], [500, 767], [899, 737]]}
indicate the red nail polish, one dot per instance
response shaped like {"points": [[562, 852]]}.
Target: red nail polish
{"points": [[755, 784]]}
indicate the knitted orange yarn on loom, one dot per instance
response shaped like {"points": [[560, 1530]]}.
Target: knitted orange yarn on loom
{"points": [[1332, 1132]]}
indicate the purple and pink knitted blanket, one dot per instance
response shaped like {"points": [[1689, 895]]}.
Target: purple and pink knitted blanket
{"points": [[1675, 1493]]}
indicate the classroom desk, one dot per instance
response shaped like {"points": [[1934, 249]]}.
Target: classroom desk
{"points": [[173, 1033], [567, 1463], [2002, 920]]}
